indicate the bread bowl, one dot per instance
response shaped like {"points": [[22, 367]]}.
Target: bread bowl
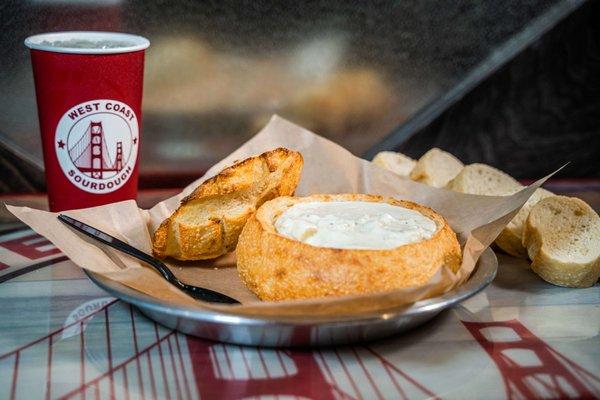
{"points": [[278, 266]]}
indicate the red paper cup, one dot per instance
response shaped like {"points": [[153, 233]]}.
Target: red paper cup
{"points": [[89, 93]]}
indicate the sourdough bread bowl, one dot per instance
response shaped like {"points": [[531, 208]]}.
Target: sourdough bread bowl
{"points": [[277, 266]]}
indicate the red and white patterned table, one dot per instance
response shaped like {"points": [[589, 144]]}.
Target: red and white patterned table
{"points": [[62, 337]]}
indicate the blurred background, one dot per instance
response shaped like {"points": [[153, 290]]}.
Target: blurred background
{"points": [[512, 83]]}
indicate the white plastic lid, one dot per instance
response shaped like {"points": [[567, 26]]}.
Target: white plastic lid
{"points": [[82, 42]]}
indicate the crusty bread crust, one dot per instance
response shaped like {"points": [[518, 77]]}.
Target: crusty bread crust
{"points": [[275, 267], [208, 222]]}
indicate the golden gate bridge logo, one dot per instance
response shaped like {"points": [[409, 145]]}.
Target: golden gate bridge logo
{"points": [[97, 144], [90, 154]]}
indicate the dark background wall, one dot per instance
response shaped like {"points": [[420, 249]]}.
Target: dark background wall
{"points": [[351, 71], [537, 113]]}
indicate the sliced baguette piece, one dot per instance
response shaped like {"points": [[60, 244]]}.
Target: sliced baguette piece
{"points": [[395, 162], [482, 179], [436, 168], [511, 238], [562, 236], [208, 222]]}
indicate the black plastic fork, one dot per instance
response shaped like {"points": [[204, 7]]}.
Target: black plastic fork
{"points": [[196, 292]]}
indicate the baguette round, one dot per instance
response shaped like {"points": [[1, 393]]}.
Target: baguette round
{"points": [[276, 267], [436, 168], [562, 236], [511, 238], [482, 179], [395, 162]]}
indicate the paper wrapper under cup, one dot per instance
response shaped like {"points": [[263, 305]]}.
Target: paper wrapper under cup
{"points": [[328, 168]]}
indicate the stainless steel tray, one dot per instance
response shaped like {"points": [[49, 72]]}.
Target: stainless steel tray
{"points": [[278, 332]]}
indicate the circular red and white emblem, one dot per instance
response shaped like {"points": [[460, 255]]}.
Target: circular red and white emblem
{"points": [[97, 145]]}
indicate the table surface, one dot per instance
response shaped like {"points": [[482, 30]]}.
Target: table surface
{"points": [[63, 337]]}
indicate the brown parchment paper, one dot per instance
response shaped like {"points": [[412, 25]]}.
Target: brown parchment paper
{"points": [[328, 168]]}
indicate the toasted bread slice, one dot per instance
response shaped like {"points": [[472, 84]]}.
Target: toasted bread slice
{"points": [[208, 222], [395, 162], [436, 168], [562, 236], [485, 180]]}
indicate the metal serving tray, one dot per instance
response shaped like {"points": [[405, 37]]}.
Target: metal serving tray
{"points": [[287, 332]]}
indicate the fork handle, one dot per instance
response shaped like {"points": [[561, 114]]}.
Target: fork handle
{"points": [[198, 292]]}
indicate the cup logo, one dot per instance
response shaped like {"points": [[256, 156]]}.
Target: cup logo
{"points": [[97, 145]]}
